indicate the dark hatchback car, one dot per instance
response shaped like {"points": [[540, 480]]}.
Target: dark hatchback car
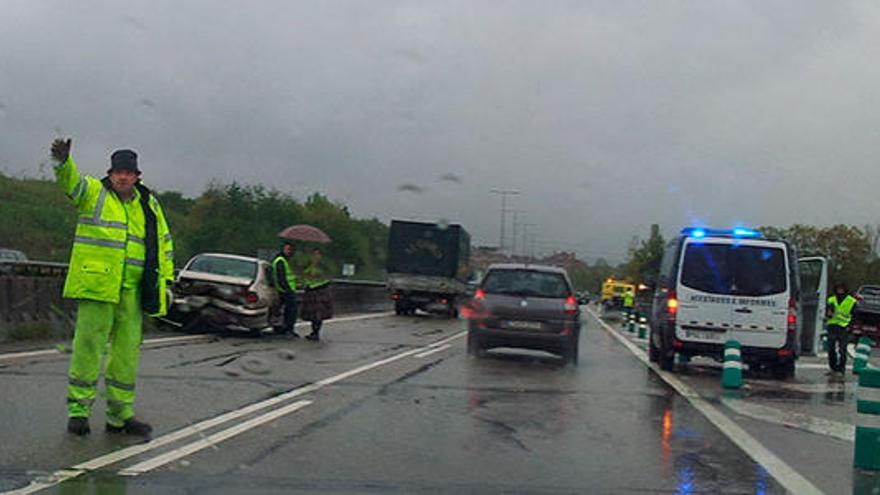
{"points": [[524, 306]]}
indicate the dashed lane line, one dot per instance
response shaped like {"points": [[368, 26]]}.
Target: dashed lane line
{"points": [[212, 440], [433, 351], [792, 480]]}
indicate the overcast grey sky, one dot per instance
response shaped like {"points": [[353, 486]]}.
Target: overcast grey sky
{"points": [[608, 116]]}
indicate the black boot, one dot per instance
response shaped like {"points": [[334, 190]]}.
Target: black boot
{"points": [[313, 336], [78, 426], [131, 427]]}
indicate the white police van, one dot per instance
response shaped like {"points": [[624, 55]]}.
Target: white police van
{"points": [[720, 285]]}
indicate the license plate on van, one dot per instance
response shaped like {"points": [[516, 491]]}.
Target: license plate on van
{"points": [[524, 325], [703, 335]]}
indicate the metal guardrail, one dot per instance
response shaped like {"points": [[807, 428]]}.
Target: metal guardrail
{"points": [[363, 283], [55, 269], [33, 268]]}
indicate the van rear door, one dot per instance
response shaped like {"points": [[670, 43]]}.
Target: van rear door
{"points": [[760, 285], [703, 292], [733, 289]]}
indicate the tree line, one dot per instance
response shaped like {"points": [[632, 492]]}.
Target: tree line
{"points": [[231, 218]]}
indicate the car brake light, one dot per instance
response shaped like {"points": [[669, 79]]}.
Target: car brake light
{"points": [[247, 296], [571, 305], [677, 344], [479, 295], [792, 316]]}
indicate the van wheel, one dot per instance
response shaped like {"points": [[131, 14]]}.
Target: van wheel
{"points": [[653, 351], [666, 360], [783, 371]]}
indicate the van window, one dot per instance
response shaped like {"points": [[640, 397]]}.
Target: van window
{"points": [[734, 269], [667, 263], [526, 283]]}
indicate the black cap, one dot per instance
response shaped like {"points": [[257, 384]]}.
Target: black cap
{"points": [[124, 160]]}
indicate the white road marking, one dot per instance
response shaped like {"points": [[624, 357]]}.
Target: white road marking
{"points": [[128, 452], [816, 366], [211, 440], [433, 351], [793, 481], [790, 419], [184, 338]]}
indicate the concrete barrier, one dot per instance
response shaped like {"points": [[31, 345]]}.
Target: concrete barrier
{"points": [[731, 376], [867, 443], [863, 352]]}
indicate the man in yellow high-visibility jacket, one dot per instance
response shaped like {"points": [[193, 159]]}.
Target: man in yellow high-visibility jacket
{"points": [[840, 308], [121, 261], [285, 284]]}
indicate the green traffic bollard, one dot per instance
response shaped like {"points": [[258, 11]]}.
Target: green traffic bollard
{"points": [[731, 376], [631, 327], [824, 338], [683, 359], [643, 327], [867, 453], [863, 352]]}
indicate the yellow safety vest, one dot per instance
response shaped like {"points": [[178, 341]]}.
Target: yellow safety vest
{"points": [[109, 248], [288, 273], [842, 310]]}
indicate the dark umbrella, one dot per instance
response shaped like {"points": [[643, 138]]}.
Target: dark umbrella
{"points": [[305, 233]]}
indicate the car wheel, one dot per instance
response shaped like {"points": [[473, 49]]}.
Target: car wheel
{"points": [[474, 348], [572, 354]]}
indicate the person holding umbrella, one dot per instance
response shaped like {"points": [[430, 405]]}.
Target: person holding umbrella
{"points": [[318, 298]]}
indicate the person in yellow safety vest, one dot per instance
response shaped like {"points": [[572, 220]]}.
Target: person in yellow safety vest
{"points": [[318, 298], [840, 308], [121, 262], [285, 284], [629, 302]]}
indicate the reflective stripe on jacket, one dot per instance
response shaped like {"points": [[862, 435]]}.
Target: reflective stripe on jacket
{"points": [[314, 277], [109, 246], [842, 310]]}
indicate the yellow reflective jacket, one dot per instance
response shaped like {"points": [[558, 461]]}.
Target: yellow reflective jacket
{"points": [[285, 279], [315, 276], [109, 246], [842, 310]]}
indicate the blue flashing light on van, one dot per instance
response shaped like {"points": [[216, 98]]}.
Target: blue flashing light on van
{"points": [[739, 232]]}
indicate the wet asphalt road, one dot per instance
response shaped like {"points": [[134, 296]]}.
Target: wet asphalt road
{"points": [[402, 408]]}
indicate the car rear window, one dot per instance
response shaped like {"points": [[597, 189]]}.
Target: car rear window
{"points": [[734, 269], [229, 267], [530, 283]]}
